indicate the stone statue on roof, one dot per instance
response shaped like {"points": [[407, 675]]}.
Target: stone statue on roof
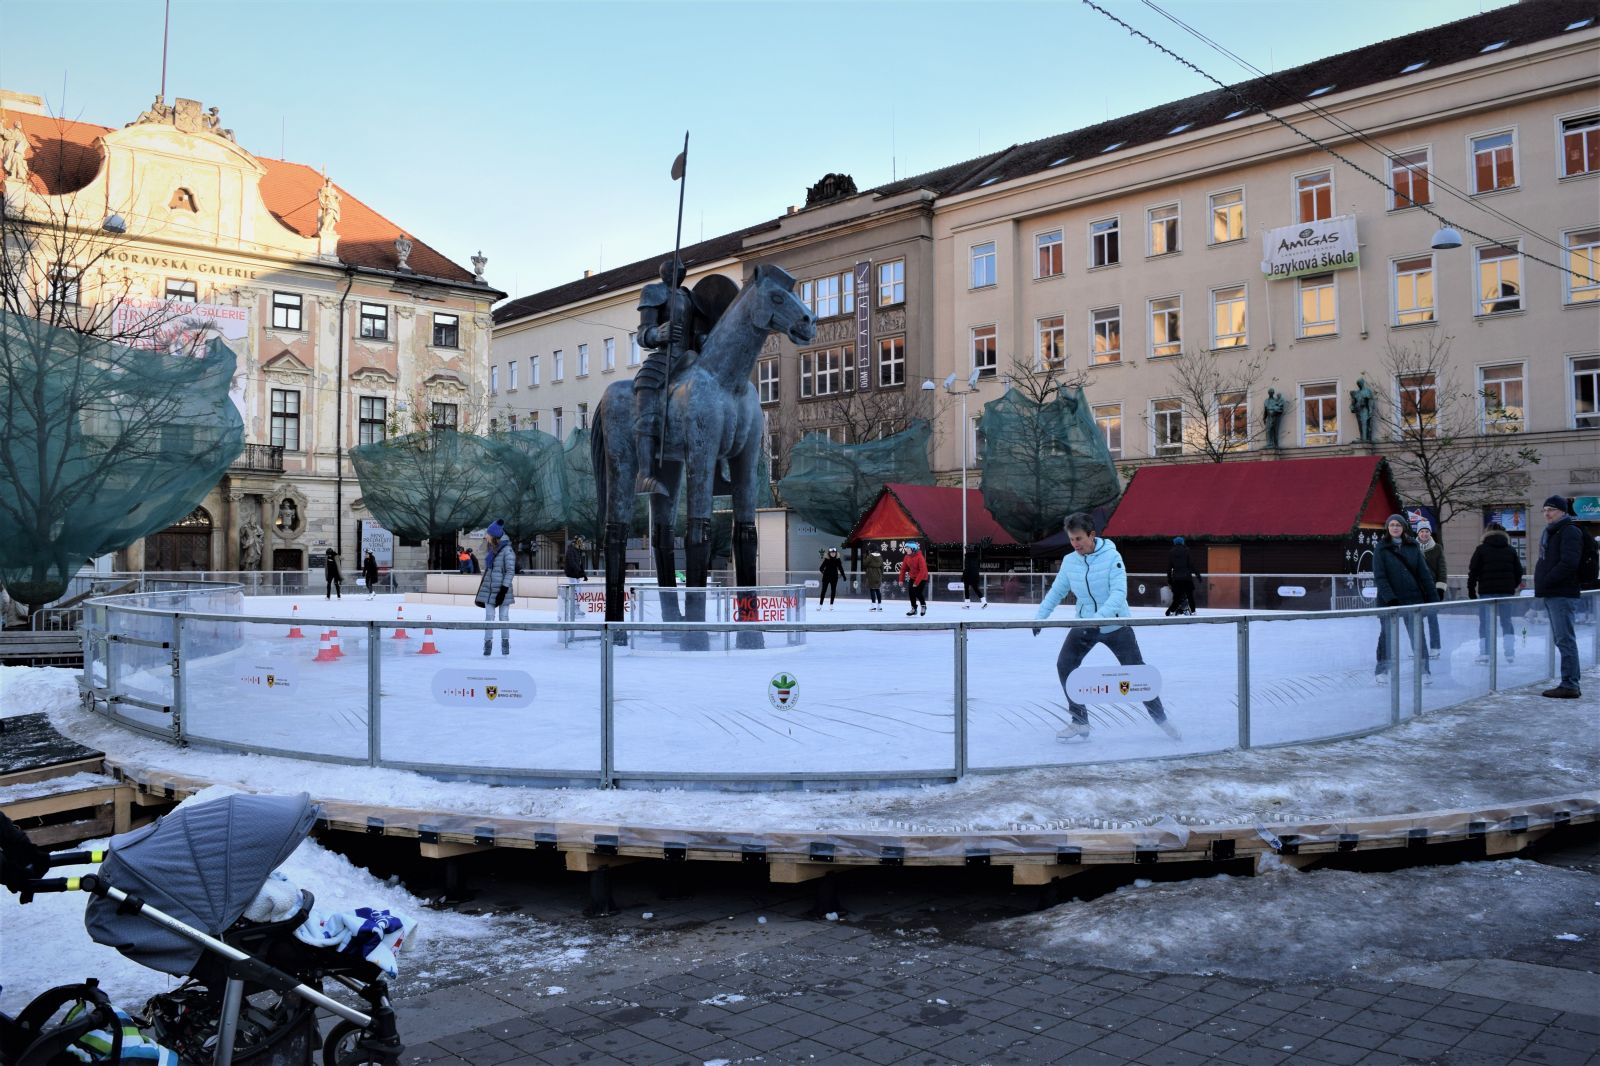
{"points": [[402, 251], [14, 147], [327, 208], [479, 261]]}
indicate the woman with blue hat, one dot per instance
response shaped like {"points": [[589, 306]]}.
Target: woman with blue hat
{"points": [[494, 589]]}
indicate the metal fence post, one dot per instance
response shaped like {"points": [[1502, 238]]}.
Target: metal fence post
{"points": [[177, 678], [960, 724], [1492, 620], [1419, 655], [1391, 647], [1550, 648], [1243, 668], [608, 740], [374, 696]]}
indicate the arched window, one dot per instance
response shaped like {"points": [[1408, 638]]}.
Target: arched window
{"points": [[182, 198]]}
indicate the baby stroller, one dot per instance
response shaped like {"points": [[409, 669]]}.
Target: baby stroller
{"points": [[171, 896]]}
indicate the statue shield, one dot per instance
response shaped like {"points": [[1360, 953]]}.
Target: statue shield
{"points": [[712, 295]]}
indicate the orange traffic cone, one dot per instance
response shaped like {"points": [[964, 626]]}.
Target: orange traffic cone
{"points": [[325, 652], [333, 638], [428, 647], [400, 617], [294, 624]]}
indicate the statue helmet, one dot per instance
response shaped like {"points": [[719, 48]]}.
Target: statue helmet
{"points": [[672, 272]]}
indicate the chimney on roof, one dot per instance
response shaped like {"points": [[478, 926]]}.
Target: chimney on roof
{"points": [[588, 273], [22, 103], [792, 209]]}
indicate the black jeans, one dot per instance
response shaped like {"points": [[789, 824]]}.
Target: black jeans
{"points": [[917, 592], [1120, 642], [971, 588], [335, 588], [875, 593], [830, 590], [1182, 593], [1383, 644]]}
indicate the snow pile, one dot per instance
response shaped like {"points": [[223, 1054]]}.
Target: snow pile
{"points": [[1287, 925]]}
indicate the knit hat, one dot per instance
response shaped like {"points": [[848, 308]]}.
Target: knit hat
{"points": [[912, 546], [496, 530], [1424, 525], [1558, 502], [1404, 525], [1177, 540]]}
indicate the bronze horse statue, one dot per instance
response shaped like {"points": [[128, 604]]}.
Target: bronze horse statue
{"points": [[713, 417]]}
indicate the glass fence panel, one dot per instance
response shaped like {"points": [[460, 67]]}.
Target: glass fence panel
{"points": [[531, 706], [818, 703], [1523, 654], [143, 670], [252, 685], [1458, 671], [1588, 620], [1017, 705], [1316, 677]]}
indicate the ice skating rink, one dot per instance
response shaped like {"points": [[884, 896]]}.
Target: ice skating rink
{"points": [[856, 702]]}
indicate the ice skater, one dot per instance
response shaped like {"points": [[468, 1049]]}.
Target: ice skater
{"points": [[1180, 578], [832, 571], [1495, 570], [1433, 552], [369, 574], [335, 577], [494, 589], [873, 569], [1402, 577], [971, 579], [914, 577], [1555, 581], [1094, 574]]}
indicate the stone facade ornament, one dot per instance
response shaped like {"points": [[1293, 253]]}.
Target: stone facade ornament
{"points": [[14, 148], [186, 115], [288, 514], [483, 321], [402, 251], [327, 208], [890, 321], [831, 187], [405, 310], [479, 261]]}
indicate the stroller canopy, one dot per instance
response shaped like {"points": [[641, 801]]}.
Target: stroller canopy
{"points": [[201, 865]]}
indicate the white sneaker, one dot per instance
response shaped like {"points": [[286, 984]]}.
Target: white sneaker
{"points": [[1380, 679], [1074, 730], [1482, 660], [1169, 729]]}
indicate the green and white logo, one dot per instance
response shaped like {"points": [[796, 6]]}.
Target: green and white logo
{"points": [[783, 691]]}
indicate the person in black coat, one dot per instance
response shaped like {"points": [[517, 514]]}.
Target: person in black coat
{"points": [[1180, 578], [832, 571], [335, 577], [572, 563], [1403, 579], [1555, 581], [972, 577], [369, 573], [1495, 570]]}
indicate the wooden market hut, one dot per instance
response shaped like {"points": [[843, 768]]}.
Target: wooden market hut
{"points": [[931, 515]]}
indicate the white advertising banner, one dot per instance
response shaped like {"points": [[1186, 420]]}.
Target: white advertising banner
{"points": [[1310, 248], [180, 328], [483, 688], [1113, 684], [378, 541]]}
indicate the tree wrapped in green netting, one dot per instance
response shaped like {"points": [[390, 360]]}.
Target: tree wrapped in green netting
{"points": [[830, 485], [101, 444], [532, 471], [1042, 461], [431, 483]]}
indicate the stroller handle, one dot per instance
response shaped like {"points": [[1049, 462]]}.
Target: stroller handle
{"points": [[76, 858]]}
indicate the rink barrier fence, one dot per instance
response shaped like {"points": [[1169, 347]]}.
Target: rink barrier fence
{"points": [[156, 627]]}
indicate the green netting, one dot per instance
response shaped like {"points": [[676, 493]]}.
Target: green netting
{"points": [[430, 484], [101, 444], [532, 472], [1041, 462], [830, 485]]}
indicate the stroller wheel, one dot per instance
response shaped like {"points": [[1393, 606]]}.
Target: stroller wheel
{"points": [[340, 1043]]}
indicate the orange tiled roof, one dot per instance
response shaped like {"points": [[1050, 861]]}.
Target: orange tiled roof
{"points": [[67, 156]]}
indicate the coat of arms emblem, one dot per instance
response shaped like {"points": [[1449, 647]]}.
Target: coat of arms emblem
{"points": [[491, 691], [781, 691], [1122, 687]]}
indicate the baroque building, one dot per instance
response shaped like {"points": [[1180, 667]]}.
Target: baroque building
{"points": [[346, 327]]}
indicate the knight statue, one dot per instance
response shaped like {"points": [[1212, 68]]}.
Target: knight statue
{"points": [[671, 329]]}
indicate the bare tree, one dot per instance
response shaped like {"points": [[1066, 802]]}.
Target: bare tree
{"points": [[868, 415], [1215, 391], [1040, 381], [1454, 444]]}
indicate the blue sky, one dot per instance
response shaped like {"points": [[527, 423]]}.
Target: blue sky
{"points": [[542, 132]]}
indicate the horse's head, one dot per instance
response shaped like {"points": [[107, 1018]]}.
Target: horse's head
{"points": [[778, 309]]}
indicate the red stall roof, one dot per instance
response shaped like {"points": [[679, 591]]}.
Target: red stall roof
{"points": [[929, 513], [1323, 497]]}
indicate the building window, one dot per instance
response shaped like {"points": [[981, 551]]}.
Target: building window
{"points": [[1051, 352], [1419, 405], [556, 419], [1499, 279], [985, 351], [1313, 196], [370, 411], [847, 288], [1580, 145], [583, 360], [1163, 229], [182, 291], [1502, 388], [808, 296], [1494, 161], [1049, 261], [1227, 216], [807, 367], [1228, 322], [583, 416], [608, 354], [892, 282], [446, 330], [827, 296], [1583, 266], [65, 284], [1166, 422], [1105, 244], [1586, 392], [533, 420], [558, 366], [832, 370], [511, 420], [891, 361], [494, 379], [1409, 177], [287, 311], [1233, 419], [1108, 417], [633, 349], [374, 321], [983, 265], [1413, 290], [1166, 326], [1105, 334], [533, 371], [1319, 407], [767, 380], [1319, 306], [285, 427], [446, 416]]}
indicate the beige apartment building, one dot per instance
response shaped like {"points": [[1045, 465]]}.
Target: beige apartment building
{"points": [[346, 327]]}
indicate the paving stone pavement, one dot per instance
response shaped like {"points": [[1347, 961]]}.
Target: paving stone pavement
{"points": [[843, 995]]}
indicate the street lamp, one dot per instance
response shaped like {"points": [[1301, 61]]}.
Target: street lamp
{"points": [[950, 387], [1445, 237]]}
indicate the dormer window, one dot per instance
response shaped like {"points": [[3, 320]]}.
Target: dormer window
{"points": [[1063, 159], [182, 199], [1414, 67], [1235, 114], [1112, 147], [1180, 128], [1580, 24], [1319, 92], [1495, 47]]}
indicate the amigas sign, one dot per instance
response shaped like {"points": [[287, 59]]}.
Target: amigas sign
{"points": [[1310, 248]]}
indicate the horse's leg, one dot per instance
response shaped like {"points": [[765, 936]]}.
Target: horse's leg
{"points": [[744, 468], [700, 470], [663, 510]]}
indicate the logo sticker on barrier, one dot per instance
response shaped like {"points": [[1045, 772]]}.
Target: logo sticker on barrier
{"points": [[277, 679], [1103, 684], [813, 583], [1369, 593], [783, 691], [956, 586], [1291, 592], [483, 688]]}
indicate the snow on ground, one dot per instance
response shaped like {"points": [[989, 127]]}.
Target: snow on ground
{"points": [[1316, 925]]}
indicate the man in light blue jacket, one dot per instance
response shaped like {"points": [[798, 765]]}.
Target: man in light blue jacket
{"points": [[1094, 574]]}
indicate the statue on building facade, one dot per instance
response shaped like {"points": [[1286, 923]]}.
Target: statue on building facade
{"points": [[479, 261], [14, 148], [250, 538], [327, 208], [402, 251], [1272, 418], [288, 516], [1361, 405]]}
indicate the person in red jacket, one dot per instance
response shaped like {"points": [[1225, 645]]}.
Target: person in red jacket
{"points": [[914, 576]]}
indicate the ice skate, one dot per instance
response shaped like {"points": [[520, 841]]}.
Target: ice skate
{"points": [[911, 612], [488, 646], [1169, 729], [1073, 730], [1482, 660], [924, 609], [505, 647]]}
